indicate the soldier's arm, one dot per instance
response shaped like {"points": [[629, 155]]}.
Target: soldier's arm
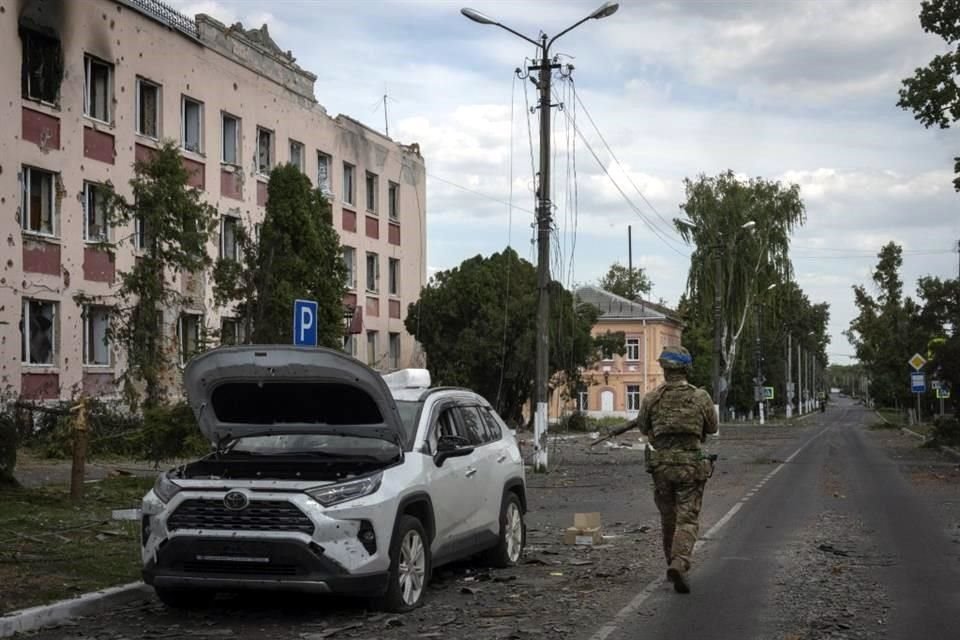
{"points": [[710, 423], [643, 418]]}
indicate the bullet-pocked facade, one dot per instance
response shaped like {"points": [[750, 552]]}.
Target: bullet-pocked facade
{"points": [[90, 87]]}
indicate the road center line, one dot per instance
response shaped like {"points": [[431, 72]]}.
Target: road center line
{"points": [[604, 632]]}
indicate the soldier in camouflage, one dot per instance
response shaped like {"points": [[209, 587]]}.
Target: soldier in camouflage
{"points": [[676, 418]]}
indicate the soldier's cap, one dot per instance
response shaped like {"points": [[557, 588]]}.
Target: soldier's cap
{"points": [[675, 357]]}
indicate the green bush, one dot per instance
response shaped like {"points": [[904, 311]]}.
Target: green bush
{"points": [[576, 421], [171, 432], [946, 431]]}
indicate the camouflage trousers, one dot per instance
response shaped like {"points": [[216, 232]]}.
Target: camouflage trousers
{"points": [[678, 494]]}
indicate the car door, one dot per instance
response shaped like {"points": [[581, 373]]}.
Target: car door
{"points": [[483, 463], [454, 489]]}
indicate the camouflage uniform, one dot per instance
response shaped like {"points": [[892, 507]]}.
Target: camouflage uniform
{"points": [[676, 417]]}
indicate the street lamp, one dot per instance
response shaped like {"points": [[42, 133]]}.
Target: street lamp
{"points": [[545, 68]]}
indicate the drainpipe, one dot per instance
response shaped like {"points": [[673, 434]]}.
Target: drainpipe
{"points": [[644, 324]]}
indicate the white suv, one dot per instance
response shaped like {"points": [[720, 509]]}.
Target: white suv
{"points": [[328, 477]]}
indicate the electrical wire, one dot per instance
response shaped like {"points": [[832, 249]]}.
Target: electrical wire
{"points": [[481, 194]]}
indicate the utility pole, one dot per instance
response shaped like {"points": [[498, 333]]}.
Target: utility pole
{"points": [[799, 379], [758, 356], [545, 66], [789, 392], [717, 343]]}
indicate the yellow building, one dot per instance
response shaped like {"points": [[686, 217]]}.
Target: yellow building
{"points": [[616, 386]]}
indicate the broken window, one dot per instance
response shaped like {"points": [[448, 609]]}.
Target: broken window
{"points": [[323, 174], [372, 184], [393, 201], [96, 346], [350, 344], [141, 233], [188, 331], [373, 272], [633, 348], [98, 88], [348, 171], [95, 213], [296, 155], [371, 348], [231, 331], [228, 238], [148, 109], [39, 213], [583, 401], [264, 151], [633, 397], [350, 262], [38, 330], [191, 116], [42, 69], [393, 276], [394, 350], [230, 136]]}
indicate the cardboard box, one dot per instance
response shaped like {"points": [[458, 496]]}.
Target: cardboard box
{"points": [[586, 520], [575, 536]]}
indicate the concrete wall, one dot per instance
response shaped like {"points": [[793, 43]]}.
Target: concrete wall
{"points": [[60, 138]]}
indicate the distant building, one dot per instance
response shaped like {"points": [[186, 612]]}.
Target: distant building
{"points": [[616, 387], [87, 88]]}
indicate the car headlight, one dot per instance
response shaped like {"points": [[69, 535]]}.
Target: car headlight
{"points": [[165, 488], [332, 494]]}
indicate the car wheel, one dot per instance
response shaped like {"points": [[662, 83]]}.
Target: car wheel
{"points": [[410, 566], [184, 598], [513, 533]]}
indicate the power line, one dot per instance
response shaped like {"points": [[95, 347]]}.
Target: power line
{"points": [[480, 194]]}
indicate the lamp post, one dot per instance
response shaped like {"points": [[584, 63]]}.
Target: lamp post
{"points": [[718, 249], [758, 389], [545, 68]]}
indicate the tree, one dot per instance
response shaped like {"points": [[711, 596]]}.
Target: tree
{"points": [[174, 226], [477, 325], [718, 209], [933, 93], [625, 282], [940, 319], [298, 256], [887, 331]]}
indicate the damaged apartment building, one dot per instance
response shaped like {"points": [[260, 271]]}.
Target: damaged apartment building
{"points": [[90, 87]]}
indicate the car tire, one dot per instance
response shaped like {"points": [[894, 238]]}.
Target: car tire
{"points": [[513, 534], [410, 567], [184, 598]]}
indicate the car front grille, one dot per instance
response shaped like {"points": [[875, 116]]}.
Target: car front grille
{"points": [[260, 515], [240, 568]]}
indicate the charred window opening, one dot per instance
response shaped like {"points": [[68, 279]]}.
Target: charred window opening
{"points": [[95, 213], [394, 350], [296, 155], [372, 188], [42, 70], [38, 331], [264, 151], [294, 403], [189, 334], [231, 331], [350, 262], [393, 199], [228, 238], [96, 344], [148, 109]]}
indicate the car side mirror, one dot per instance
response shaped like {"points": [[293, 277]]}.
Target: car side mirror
{"points": [[452, 447]]}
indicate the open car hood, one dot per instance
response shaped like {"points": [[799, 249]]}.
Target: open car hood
{"points": [[263, 389]]}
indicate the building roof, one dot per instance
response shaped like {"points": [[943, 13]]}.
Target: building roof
{"points": [[614, 307]]}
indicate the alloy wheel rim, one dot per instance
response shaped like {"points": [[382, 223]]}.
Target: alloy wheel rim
{"points": [[413, 567], [514, 532]]}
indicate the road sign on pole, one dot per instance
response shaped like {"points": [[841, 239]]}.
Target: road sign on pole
{"points": [[917, 361], [768, 393], [918, 383], [305, 323]]}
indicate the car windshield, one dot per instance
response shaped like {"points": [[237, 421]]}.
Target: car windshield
{"points": [[409, 410], [325, 445]]}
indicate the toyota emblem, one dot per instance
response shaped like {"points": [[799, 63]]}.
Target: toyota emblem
{"points": [[236, 501]]}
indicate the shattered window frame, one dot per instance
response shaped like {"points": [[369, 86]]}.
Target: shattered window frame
{"points": [[634, 397], [371, 190], [231, 330], [189, 335], [350, 261], [632, 353], [394, 341], [229, 249], [349, 191], [297, 157], [37, 350], [234, 140], [41, 72], [186, 111], [373, 272], [96, 355], [393, 200], [393, 276], [34, 222], [94, 207], [372, 339], [97, 106], [264, 151], [145, 86], [324, 173]]}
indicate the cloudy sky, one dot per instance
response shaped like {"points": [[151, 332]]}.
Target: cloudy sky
{"points": [[803, 92]]}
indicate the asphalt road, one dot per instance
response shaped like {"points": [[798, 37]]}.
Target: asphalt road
{"points": [[836, 544]]}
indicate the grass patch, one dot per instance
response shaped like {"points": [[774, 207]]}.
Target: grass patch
{"points": [[893, 417], [52, 548]]}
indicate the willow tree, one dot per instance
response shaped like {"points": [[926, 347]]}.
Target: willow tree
{"points": [[741, 231]]}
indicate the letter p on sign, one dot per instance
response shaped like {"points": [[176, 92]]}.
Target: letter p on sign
{"points": [[305, 323]]}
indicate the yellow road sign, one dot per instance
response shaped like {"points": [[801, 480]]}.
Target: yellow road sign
{"points": [[917, 361]]}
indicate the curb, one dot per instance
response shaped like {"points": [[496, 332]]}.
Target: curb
{"points": [[84, 605], [950, 451]]}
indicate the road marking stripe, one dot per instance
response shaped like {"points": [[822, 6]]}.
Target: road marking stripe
{"points": [[604, 632]]}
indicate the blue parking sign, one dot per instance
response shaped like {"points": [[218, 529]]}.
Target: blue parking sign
{"points": [[305, 323], [918, 383]]}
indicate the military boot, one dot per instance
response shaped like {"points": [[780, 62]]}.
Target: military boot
{"points": [[677, 574]]}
